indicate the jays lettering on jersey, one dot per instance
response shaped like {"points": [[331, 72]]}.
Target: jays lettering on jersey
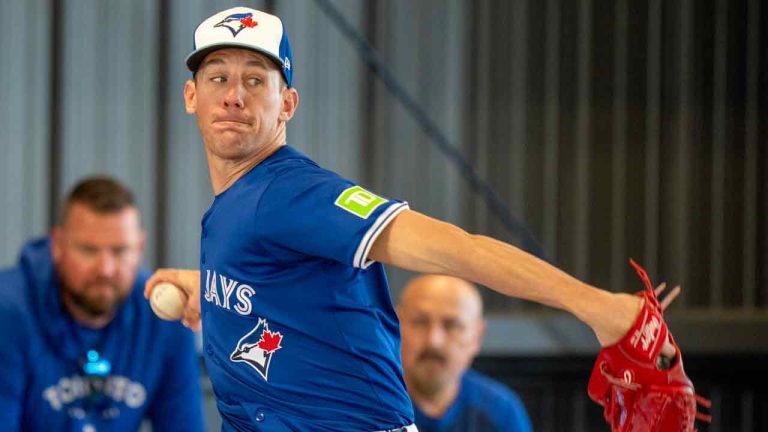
{"points": [[299, 329], [56, 375]]}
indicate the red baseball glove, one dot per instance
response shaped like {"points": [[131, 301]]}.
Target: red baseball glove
{"points": [[639, 393]]}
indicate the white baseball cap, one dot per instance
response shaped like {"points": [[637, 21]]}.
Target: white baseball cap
{"points": [[247, 28]]}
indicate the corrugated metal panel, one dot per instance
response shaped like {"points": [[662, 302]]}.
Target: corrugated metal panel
{"points": [[330, 79], [25, 36], [425, 60], [651, 126], [614, 129], [108, 97], [752, 172], [551, 126]]}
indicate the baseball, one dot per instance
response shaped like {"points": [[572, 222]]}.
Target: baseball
{"points": [[167, 301]]}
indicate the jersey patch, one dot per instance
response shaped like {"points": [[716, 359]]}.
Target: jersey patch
{"points": [[359, 201], [257, 348]]}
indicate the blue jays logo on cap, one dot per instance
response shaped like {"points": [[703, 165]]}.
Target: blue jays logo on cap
{"points": [[237, 22], [257, 348]]}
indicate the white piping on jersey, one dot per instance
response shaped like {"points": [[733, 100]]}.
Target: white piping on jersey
{"points": [[410, 428], [361, 255]]}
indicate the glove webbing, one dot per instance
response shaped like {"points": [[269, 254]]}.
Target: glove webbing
{"points": [[700, 401]]}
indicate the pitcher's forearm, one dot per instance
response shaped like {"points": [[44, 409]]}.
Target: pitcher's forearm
{"points": [[419, 243]]}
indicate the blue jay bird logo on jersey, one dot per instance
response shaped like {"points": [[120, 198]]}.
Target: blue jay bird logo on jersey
{"points": [[237, 22], [257, 348]]}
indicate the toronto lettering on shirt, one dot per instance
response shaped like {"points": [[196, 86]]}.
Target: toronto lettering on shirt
{"points": [[75, 388]]}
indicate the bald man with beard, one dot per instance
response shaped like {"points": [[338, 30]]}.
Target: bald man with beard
{"points": [[442, 328]]}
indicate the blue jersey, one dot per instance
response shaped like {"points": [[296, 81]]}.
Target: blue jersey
{"points": [[482, 405], [299, 329], [49, 383]]}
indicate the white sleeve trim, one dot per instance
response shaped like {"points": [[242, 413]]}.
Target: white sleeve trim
{"points": [[361, 255]]}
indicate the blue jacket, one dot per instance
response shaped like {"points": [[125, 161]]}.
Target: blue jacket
{"points": [[482, 405], [153, 372]]}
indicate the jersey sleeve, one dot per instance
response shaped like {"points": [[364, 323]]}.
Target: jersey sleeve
{"points": [[317, 213], [178, 404]]}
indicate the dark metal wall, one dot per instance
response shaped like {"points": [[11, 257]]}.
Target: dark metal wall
{"points": [[630, 128], [552, 389]]}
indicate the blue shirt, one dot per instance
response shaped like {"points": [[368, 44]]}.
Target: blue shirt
{"points": [[153, 372], [299, 328], [482, 405]]}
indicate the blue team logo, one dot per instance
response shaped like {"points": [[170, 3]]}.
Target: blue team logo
{"points": [[257, 348], [237, 22]]}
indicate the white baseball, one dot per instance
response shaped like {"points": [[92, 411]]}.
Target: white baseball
{"points": [[167, 301]]}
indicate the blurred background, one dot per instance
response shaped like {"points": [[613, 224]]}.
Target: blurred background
{"points": [[609, 128]]}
